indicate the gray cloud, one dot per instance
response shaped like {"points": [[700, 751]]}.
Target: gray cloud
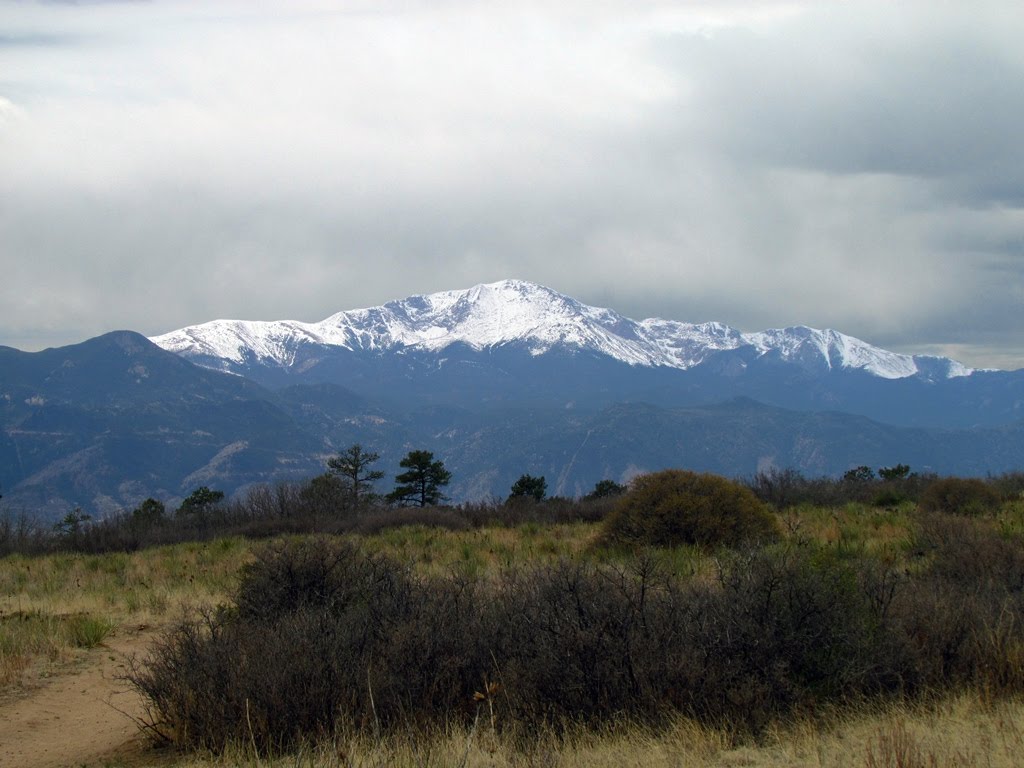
{"points": [[852, 166], [913, 90]]}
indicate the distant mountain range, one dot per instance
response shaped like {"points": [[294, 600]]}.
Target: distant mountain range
{"points": [[515, 342], [497, 380], [528, 317]]}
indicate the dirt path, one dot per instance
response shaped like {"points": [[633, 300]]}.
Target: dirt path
{"points": [[78, 717]]}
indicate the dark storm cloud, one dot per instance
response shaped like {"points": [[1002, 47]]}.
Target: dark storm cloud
{"points": [[847, 92], [852, 166], [927, 102]]}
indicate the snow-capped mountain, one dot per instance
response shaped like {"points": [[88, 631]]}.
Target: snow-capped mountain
{"points": [[531, 317], [516, 343], [497, 379]]}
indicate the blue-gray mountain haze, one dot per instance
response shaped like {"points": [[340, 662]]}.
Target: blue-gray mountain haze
{"points": [[497, 380]]}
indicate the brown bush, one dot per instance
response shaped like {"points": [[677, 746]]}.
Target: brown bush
{"points": [[785, 631], [516, 511], [323, 636], [960, 496], [971, 554], [317, 573], [960, 614], [676, 507], [1009, 485]]}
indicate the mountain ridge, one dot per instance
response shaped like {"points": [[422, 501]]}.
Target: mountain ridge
{"points": [[540, 320]]}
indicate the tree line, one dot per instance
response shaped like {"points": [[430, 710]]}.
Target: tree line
{"points": [[344, 498]]}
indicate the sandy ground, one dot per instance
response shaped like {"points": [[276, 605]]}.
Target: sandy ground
{"points": [[80, 717]]}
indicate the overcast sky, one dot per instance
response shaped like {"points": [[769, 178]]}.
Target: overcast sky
{"points": [[856, 165]]}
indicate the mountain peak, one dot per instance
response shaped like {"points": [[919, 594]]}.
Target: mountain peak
{"points": [[488, 315]]}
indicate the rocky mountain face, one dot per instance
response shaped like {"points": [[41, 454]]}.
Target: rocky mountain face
{"points": [[497, 380]]}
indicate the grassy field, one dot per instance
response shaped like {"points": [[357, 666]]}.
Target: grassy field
{"points": [[55, 608], [45, 600]]}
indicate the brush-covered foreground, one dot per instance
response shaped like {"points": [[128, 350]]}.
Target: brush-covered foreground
{"points": [[43, 596], [962, 618]]}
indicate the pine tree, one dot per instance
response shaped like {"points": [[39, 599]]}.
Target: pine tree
{"points": [[352, 468], [529, 486], [606, 488], [421, 484], [201, 500]]}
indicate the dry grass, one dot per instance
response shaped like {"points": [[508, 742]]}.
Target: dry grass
{"points": [[874, 530], [27, 639], [146, 585], [435, 551], [54, 604], [140, 586], [960, 732]]}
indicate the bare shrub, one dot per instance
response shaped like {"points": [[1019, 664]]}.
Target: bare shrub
{"points": [[318, 573], [323, 636], [583, 644], [960, 496], [970, 554], [961, 615], [320, 634], [1009, 485], [784, 633], [216, 681], [518, 510], [784, 488], [19, 532], [781, 488]]}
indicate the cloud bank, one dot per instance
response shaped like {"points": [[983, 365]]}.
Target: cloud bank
{"points": [[854, 166]]}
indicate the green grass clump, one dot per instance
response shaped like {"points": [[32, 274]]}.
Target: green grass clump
{"points": [[85, 631]]}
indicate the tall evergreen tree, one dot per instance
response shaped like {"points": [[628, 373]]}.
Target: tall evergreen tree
{"points": [[149, 513], [605, 488], [201, 500], [421, 484], [352, 468], [528, 486]]}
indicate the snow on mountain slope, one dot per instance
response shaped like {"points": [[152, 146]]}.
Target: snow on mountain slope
{"points": [[486, 316], [836, 349], [540, 319]]}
